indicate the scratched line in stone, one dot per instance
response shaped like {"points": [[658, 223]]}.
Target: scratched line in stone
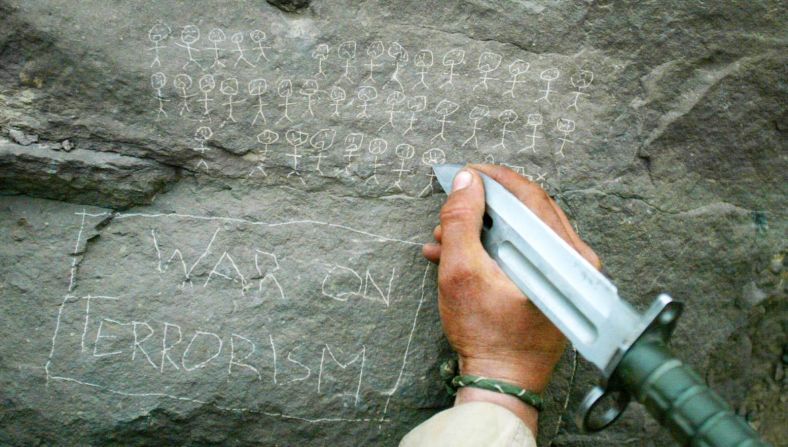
{"points": [[413, 96], [102, 331]]}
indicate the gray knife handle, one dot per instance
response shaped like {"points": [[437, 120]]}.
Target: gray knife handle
{"points": [[680, 400]]}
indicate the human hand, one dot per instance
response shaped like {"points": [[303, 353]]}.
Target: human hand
{"points": [[492, 326]]}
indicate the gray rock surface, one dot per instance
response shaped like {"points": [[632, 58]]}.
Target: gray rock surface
{"points": [[226, 250]]}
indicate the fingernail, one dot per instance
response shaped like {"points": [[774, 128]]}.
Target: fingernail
{"points": [[461, 180]]}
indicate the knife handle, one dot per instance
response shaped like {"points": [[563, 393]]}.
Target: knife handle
{"points": [[679, 399]]}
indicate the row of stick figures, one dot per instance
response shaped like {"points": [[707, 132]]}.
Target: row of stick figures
{"points": [[396, 102], [423, 60], [324, 139]]}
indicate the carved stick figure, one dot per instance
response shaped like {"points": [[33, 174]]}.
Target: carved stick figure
{"points": [[416, 104], [229, 88], [477, 114], [394, 100], [216, 36], [353, 142], [534, 121], [366, 93], [400, 56], [516, 68], [423, 60], [580, 82], [266, 138], [488, 63], [258, 87], [238, 39], [505, 118], [157, 34], [347, 51], [309, 89], [158, 81], [258, 37], [377, 147], [549, 75], [374, 51], [183, 82], [337, 95], [451, 59], [296, 138], [206, 83], [444, 109], [404, 152], [321, 54], [565, 126], [202, 135], [285, 90], [321, 141], [429, 158], [190, 34]]}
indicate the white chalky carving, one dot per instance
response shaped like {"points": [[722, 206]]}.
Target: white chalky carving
{"points": [[505, 118], [451, 59], [337, 95], [296, 139], [429, 158], [309, 89], [423, 60], [400, 56], [229, 88], [393, 100], [158, 80], [476, 114], [157, 34], [183, 83], [403, 152], [580, 82], [416, 104], [445, 108], [202, 135], [238, 39], [565, 126], [517, 68], [257, 88], [534, 121], [549, 75], [216, 36], [353, 142], [347, 51], [366, 93], [320, 53], [321, 141], [266, 138], [285, 90], [374, 50], [488, 63], [206, 84], [190, 34], [258, 37], [377, 147]]}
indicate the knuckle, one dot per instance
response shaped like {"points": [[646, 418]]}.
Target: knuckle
{"points": [[457, 275], [451, 214]]}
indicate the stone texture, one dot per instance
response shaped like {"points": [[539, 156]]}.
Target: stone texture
{"points": [[213, 214]]}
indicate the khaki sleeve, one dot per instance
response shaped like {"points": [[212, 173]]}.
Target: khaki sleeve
{"points": [[471, 424]]}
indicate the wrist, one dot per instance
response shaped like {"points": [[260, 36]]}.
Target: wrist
{"points": [[529, 372]]}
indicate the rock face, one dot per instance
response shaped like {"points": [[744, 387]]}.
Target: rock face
{"points": [[212, 214]]}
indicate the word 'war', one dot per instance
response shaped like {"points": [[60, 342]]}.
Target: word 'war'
{"points": [[259, 277]]}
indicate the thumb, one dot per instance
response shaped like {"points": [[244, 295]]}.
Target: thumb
{"points": [[461, 217]]}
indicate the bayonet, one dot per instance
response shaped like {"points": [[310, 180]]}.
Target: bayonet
{"points": [[629, 348]]}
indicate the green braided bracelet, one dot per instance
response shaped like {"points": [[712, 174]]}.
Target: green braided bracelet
{"points": [[529, 397], [452, 381]]}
